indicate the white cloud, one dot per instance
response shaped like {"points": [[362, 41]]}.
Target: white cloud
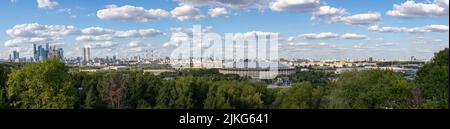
{"points": [[100, 45], [16, 42], [134, 44], [38, 30], [353, 36], [299, 44], [94, 37], [324, 35], [136, 49], [138, 33], [411, 9], [36, 33], [340, 15], [387, 44], [253, 34], [97, 31], [131, 13], [324, 44], [327, 12], [295, 5], [359, 19], [236, 4], [183, 35], [186, 12], [47, 4], [216, 12], [423, 29], [102, 34]]}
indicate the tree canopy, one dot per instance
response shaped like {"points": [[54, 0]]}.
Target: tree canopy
{"points": [[40, 85], [432, 79]]}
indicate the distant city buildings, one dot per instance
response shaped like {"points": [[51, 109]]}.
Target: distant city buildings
{"points": [[86, 56], [15, 57], [40, 53]]}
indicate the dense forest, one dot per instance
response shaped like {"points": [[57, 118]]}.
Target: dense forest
{"points": [[50, 85]]}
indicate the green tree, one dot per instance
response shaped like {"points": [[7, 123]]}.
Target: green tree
{"points": [[314, 77], [432, 79], [186, 92], [300, 96], [143, 90], [4, 71], [234, 95], [371, 89], [92, 101], [42, 85]]}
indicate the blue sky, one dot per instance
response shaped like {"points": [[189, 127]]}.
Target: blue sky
{"points": [[355, 29]]}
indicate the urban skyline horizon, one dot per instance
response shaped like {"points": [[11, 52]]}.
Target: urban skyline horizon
{"points": [[312, 29], [30, 57]]}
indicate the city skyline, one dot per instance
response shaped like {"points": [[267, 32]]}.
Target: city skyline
{"points": [[308, 29]]}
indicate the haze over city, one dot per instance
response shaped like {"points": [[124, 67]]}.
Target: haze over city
{"points": [[308, 29]]}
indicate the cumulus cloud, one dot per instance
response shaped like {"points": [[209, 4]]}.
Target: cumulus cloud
{"points": [[423, 29], [358, 19], [46, 4], [252, 35], [97, 31], [38, 30], [102, 34], [295, 5], [411, 9], [216, 12], [236, 4], [16, 42], [36, 33], [327, 12], [387, 44], [187, 12], [94, 37], [183, 35], [138, 33], [340, 15], [136, 46], [353, 36], [100, 45], [299, 44], [131, 13], [324, 35]]}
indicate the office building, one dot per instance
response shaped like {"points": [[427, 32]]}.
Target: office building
{"points": [[40, 53]]}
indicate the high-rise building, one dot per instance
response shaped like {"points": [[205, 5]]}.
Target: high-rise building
{"points": [[413, 58], [370, 59], [84, 54], [89, 53], [61, 53], [35, 53], [16, 57]]}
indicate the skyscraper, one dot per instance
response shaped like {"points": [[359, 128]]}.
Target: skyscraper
{"points": [[89, 53], [15, 55], [61, 53], [47, 47], [35, 53], [84, 55]]}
